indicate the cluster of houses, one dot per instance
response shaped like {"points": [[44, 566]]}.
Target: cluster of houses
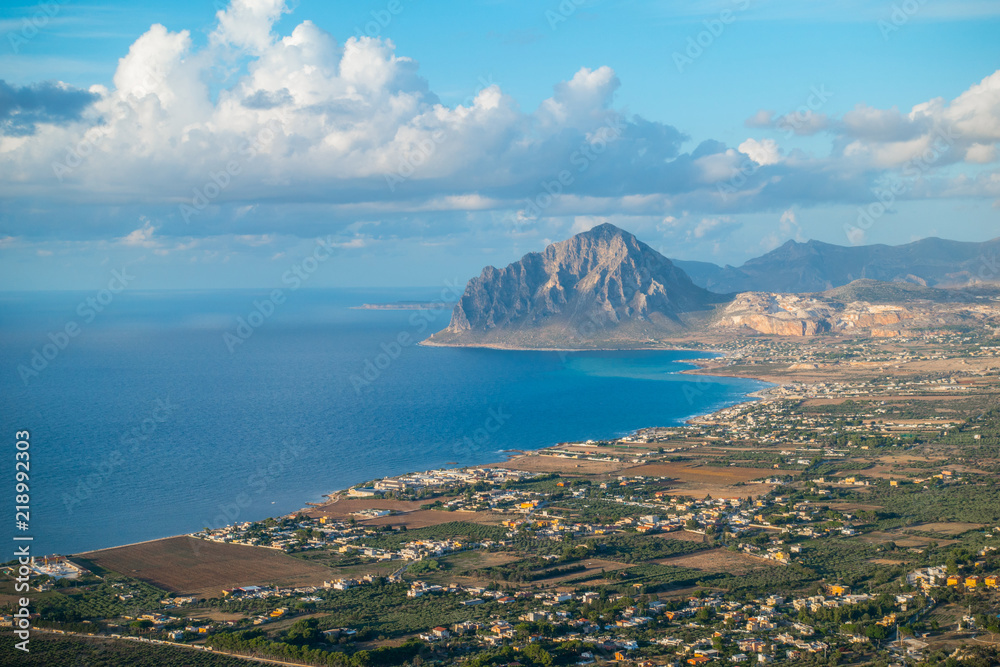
{"points": [[438, 480], [761, 619]]}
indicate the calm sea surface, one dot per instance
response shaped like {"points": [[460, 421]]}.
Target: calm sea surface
{"points": [[145, 424]]}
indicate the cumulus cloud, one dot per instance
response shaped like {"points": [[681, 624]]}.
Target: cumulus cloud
{"points": [[246, 24], [22, 108], [581, 102], [763, 152], [981, 153], [763, 118], [140, 238], [934, 133], [305, 129], [804, 123]]}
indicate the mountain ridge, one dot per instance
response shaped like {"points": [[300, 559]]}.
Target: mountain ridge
{"points": [[604, 288], [815, 266]]}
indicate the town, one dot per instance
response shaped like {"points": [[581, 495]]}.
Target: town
{"points": [[849, 515]]}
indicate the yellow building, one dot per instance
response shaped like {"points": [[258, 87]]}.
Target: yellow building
{"points": [[990, 581], [972, 582], [954, 579], [837, 589]]}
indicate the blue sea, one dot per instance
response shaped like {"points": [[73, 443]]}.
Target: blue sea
{"points": [[162, 414]]}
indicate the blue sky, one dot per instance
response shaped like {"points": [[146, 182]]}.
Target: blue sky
{"points": [[429, 148]]}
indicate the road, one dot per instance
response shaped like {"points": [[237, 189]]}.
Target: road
{"points": [[191, 647]]}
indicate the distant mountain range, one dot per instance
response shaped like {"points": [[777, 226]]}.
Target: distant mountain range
{"points": [[605, 288], [815, 266]]}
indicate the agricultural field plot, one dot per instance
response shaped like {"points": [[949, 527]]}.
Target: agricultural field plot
{"points": [[341, 508], [883, 472], [852, 507], [902, 539], [947, 528], [199, 568], [461, 567], [547, 464], [681, 535], [353, 569], [946, 616], [720, 491], [594, 567], [719, 560], [704, 475], [425, 518]]}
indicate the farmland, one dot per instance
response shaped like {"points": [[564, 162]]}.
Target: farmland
{"points": [[719, 560], [202, 569]]}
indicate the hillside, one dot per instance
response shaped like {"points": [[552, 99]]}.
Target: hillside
{"points": [[815, 266], [603, 286]]}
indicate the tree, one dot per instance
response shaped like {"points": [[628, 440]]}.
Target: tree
{"points": [[538, 655], [303, 632]]}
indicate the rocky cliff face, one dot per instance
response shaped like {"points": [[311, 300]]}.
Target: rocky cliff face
{"points": [[813, 314], [604, 282], [804, 315]]}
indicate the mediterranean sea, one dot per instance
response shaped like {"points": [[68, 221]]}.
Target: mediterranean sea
{"points": [[150, 421]]}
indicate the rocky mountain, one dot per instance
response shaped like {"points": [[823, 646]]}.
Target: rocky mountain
{"points": [[603, 286], [865, 308], [815, 266]]}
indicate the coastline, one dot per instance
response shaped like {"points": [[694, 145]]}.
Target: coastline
{"points": [[699, 365], [520, 348]]}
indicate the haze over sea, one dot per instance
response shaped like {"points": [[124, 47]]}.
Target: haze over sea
{"points": [[146, 425]]}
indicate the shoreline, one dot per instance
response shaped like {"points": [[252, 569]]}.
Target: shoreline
{"points": [[699, 365], [520, 348]]}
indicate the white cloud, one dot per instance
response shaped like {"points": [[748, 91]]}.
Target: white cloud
{"points": [[713, 228], [583, 223], [583, 101], [141, 238], [763, 118], [306, 122], [246, 24], [763, 152], [981, 153]]}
